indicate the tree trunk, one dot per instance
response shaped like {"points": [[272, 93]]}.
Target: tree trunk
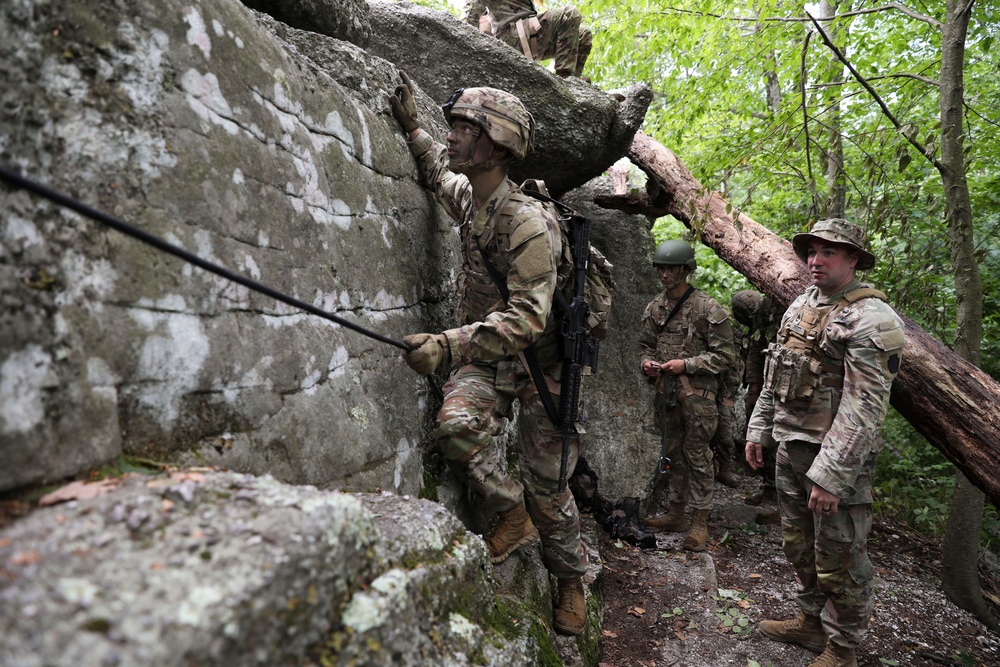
{"points": [[836, 181], [960, 549], [934, 384]]}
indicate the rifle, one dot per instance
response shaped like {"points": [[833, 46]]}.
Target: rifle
{"points": [[577, 349], [669, 384]]}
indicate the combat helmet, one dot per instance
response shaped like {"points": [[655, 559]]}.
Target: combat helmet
{"points": [[745, 305], [671, 253], [835, 230], [501, 115]]}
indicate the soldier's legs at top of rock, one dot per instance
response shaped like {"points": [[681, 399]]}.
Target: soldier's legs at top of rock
{"points": [[554, 513], [583, 50], [471, 415], [560, 39]]}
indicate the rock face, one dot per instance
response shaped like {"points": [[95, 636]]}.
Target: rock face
{"points": [[621, 443], [230, 569], [270, 150], [260, 147]]}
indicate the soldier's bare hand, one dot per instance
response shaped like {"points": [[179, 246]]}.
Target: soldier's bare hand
{"points": [[755, 455], [651, 368], [822, 502], [673, 367]]}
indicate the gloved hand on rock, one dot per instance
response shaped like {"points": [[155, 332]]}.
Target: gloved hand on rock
{"points": [[429, 352], [404, 106]]}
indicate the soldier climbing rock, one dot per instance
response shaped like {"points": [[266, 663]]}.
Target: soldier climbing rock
{"points": [[520, 238]]}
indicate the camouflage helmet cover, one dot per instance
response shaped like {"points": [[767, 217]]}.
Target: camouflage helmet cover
{"points": [[835, 230], [674, 252], [745, 305], [501, 115]]}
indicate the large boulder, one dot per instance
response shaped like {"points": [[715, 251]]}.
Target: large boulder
{"points": [[198, 124], [581, 130], [227, 569]]}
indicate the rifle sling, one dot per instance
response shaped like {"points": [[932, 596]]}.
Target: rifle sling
{"points": [[530, 358]]}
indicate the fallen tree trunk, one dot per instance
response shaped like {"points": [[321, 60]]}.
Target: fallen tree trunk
{"points": [[947, 399]]}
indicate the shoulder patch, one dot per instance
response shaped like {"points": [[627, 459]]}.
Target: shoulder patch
{"points": [[527, 224], [889, 339], [717, 315]]}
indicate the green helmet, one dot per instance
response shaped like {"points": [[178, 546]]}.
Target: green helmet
{"points": [[745, 305], [501, 115], [670, 253]]}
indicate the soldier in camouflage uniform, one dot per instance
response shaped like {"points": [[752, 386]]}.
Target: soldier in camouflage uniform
{"points": [[825, 395], [761, 315], [554, 33], [522, 239], [687, 344], [725, 438]]}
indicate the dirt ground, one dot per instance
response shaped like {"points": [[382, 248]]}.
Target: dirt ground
{"points": [[666, 607]]}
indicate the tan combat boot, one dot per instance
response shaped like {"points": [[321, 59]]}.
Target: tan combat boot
{"points": [[725, 475], [511, 530], [806, 631], [836, 656], [697, 537], [570, 615], [672, 521]]}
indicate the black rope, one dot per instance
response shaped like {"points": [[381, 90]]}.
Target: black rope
{"points": [[20, 181]]}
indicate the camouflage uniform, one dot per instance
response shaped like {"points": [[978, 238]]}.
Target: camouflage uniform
{"points": [[557, 34], [830, 438], [522, 239], [725, 438], [701, 335], [762, 323]]}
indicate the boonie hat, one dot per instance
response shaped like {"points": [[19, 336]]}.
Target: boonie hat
{"points": [[835, 230]]}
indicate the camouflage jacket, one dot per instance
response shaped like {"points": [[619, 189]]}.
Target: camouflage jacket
{"points": [[865, 341], [504, 11], [523, 243], [700, 334]]}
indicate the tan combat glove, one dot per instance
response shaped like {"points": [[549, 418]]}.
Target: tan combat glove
{"points": [[429, 351], [404, 107]]}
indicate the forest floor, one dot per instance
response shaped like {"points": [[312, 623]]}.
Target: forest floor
{"points": [[667, 607]]}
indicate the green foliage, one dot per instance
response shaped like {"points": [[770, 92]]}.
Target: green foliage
{"points": [[731, 611], [914, 481]]}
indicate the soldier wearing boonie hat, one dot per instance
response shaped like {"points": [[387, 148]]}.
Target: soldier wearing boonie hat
{"points": [[826, 391], [836, 230]]}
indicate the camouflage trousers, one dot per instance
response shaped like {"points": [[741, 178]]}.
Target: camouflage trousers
{"points": [[562, 38], [688, 428], [472, 415], [724, 440], [829, 553]]}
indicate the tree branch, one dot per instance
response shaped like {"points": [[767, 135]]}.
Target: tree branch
{"points": [[805, 114], [898, 75], [871, 91], [903, 9]]}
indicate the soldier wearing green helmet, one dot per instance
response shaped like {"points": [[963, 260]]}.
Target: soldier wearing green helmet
{"points": [[521, 240], [686, 342], [826, 391]]}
